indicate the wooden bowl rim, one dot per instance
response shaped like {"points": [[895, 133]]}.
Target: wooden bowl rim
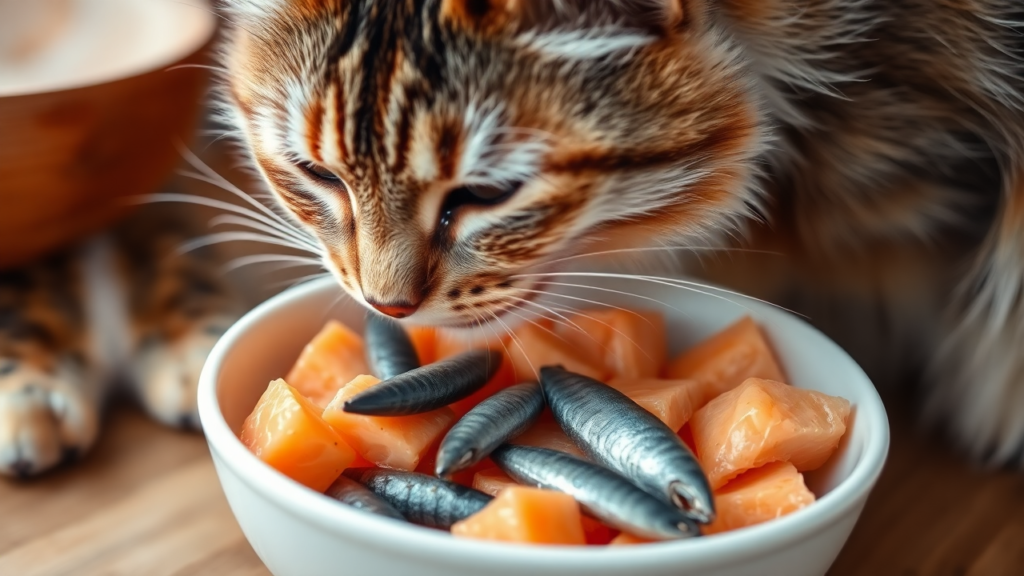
{"points": [[170, 56]]}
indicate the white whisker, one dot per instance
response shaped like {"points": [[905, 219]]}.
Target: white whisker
{"points": [[208, 202], [290, 260], [594, 302], [665, 248], [231, 219], [235, 236], [624, 293], [674, 282], [517, 342]]}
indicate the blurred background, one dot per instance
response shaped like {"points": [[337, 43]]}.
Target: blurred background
{"points": [[101, 101]]}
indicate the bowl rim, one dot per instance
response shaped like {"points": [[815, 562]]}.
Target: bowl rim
{"points": [[170, 58], [298, 500]]}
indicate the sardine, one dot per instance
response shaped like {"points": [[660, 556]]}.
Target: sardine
{"points": [[429, 387], [389, 351], [613, 430], [488, 425], [421, 498], [348, 491], [601, 492]]}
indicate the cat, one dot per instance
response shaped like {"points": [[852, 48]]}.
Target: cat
{"points": [[861, 161], [126, 306], [451, 156]]}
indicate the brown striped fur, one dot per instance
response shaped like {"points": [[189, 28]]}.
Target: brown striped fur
{"points": [[127, 307], [877, 145]]}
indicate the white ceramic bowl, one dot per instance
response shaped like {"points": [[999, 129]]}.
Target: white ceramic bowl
{"points": [[296, 531]]}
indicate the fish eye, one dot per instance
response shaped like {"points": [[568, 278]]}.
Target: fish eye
{"points": [[318, 172]]}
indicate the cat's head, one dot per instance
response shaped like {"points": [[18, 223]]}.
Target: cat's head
{"points": [[442, 149]]}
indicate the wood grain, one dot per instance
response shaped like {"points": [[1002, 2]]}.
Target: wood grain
{"points": [[147, 502]]}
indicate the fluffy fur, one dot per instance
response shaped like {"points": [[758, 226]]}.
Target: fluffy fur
{"points": [[443, 150]]}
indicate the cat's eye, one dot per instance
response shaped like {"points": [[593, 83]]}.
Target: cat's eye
{"points": [[479, 195], [318, 172]]}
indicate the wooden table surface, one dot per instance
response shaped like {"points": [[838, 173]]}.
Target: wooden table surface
{"points": [[146, 502]]}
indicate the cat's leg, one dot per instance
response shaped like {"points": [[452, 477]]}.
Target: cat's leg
{"points": [[181, 307], [976, 376], [49, 399]]}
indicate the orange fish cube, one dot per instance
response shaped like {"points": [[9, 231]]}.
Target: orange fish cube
{"points": [[526, 515], [759, 495], [492, 481], [672, 401], [546, 433], [389, 441], [285, 431], [534, 347], [725, 360], [331, 359], [762, 422]]}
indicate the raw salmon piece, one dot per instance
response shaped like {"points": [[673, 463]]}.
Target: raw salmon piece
{"points": [[526, 515], [534, 347], [759, 495], [672, 401], [492, 481], [636, 345], [285, 431], [763, 421], [424, 339], [331, 359], [546, 434], [597, 533], [389, 441], [630, 344], [448, 343], [725, 360]]}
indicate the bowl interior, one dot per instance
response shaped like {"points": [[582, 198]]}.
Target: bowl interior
{"points": [[51, 45], [264, 345]]}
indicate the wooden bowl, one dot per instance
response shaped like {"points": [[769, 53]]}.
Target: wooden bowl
{"points": [[93, 100]]}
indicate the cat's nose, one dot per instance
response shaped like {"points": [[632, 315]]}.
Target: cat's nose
{"points": [[394, 309]]}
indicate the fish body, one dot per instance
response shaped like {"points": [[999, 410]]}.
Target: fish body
{"points": [[488, 425], [601, 492], [428, 387], [614, 431], [420, 498], [389, 351], [348, 491]]}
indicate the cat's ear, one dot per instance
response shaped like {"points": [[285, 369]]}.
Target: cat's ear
{"points": [[526, 15]]}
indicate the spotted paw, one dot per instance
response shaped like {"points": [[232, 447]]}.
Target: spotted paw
{"points": [[168, 374], [44, 418]]}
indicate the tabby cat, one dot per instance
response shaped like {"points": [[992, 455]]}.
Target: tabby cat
{"points": [[451, 156]]}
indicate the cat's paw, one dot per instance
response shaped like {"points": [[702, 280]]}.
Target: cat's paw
{"points": [[44, 418], [168, 373]]}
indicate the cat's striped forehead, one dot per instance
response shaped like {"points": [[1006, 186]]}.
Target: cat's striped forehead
{"points": [[409, 102]]}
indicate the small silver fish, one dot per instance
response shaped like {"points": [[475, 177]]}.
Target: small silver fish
{"points": [[601, 492], [421, 498], [348, 491], [488, 425], [614, 431], [389, 351], [428, 387]]}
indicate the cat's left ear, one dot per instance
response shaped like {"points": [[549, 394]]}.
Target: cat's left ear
{"points": [[492, 15]]}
